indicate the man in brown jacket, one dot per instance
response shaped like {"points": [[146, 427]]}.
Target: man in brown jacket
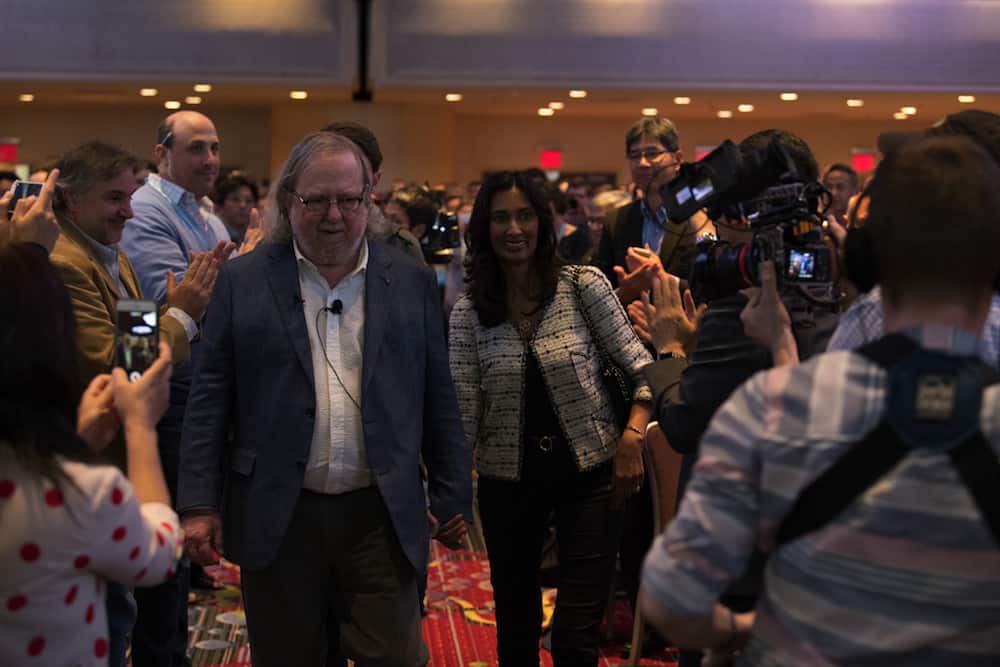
{"points": [[91, 203]]}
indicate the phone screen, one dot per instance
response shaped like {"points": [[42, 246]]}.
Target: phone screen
{"points": [[801, 265], [138, 336], [23, 189]]}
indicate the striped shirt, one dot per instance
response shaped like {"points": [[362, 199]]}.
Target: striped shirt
{"points": [[862, 323], [907, 574]]}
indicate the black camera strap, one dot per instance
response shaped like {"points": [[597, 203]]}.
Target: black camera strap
{"points": [[902, 431]]}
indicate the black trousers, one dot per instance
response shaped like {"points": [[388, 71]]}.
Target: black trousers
{"points": [[588, 526], [339, 587]]}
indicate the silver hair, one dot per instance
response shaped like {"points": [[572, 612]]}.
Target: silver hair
{"points": [[277, 225]]}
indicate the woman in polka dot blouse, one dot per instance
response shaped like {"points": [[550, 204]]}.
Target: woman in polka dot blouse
{"points": [[66, 525]]}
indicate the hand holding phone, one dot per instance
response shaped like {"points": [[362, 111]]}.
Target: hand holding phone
{"points": [[27, 215], [23, 190]]}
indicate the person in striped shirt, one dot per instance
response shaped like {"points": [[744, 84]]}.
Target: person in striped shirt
{"points": [[908, 573]]}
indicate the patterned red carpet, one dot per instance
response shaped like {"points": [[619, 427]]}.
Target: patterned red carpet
{"points": [[459, 628]]}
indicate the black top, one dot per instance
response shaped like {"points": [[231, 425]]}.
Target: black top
{"points": [[539, 415]]}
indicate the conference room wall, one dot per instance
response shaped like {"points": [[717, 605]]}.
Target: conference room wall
{"points": [[45, 133], [420, 142]]}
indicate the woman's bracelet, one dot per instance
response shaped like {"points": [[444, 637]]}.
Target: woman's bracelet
{"points": [[629, 427]]}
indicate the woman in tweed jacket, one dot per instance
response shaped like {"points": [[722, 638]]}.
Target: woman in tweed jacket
{"points": [[527, 374]]}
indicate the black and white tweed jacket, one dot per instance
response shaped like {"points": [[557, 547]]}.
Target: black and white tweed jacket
{"points": [[487, 365]]}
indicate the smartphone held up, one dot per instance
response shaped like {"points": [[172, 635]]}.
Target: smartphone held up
{"points": [[22, 190], [137, 336]]}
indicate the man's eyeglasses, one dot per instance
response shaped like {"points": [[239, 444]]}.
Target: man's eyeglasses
{"points": [[521, 215], [347, 204], [651, 154]]}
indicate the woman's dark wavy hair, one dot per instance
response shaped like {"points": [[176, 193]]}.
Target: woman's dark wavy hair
{"points": [[485, 277], [40, 385]]}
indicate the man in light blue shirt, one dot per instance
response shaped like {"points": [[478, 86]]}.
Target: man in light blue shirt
{"points": [[173, 218]]}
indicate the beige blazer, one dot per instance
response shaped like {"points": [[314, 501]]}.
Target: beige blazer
{"points": [[94, 294]]}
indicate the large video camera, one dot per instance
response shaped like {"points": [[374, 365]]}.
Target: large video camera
{"points": [[763, 187]]}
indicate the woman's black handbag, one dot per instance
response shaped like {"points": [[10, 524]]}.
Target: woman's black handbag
{"points": [[617, 383]]}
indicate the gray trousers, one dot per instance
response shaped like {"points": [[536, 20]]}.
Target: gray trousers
{"points": [[340, 586]]}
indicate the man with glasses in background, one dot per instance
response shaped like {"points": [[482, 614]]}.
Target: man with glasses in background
{"points": [[652, 147]]}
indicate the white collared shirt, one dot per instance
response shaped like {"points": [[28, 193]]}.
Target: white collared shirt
{"points": [[200, 210], [338, 461]]}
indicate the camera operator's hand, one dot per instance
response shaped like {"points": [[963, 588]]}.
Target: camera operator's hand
{"points": [[671, 320], [766, 320], [193, 292]]}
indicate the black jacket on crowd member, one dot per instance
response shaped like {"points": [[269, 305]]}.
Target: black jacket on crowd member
{"points": [[686, 393], [625, 231]]}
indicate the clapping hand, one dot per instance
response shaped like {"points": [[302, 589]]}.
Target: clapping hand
{"points": [[254, 234], [670, 319], [193, 292], [641, 266]]}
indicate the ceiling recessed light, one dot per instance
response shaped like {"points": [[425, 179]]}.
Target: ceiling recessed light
{"points": [[855, 103], [789, 97], [545, 111], [171, 104], [899, 115], [148, 92], [26, 97], [193, 99], [909, 111], [298, 94], [558, 106], [745, 108], [202, 87], [578, 94], [650, 111], [453, 97], [724, 113], [682, 100], [966, 99]]}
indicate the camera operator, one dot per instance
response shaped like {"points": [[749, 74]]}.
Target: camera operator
{"points": [[706, 353], [839, 468], [724, 355]]}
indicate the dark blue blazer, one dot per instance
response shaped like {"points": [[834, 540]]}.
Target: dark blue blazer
{"points": [[256, 377]]}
